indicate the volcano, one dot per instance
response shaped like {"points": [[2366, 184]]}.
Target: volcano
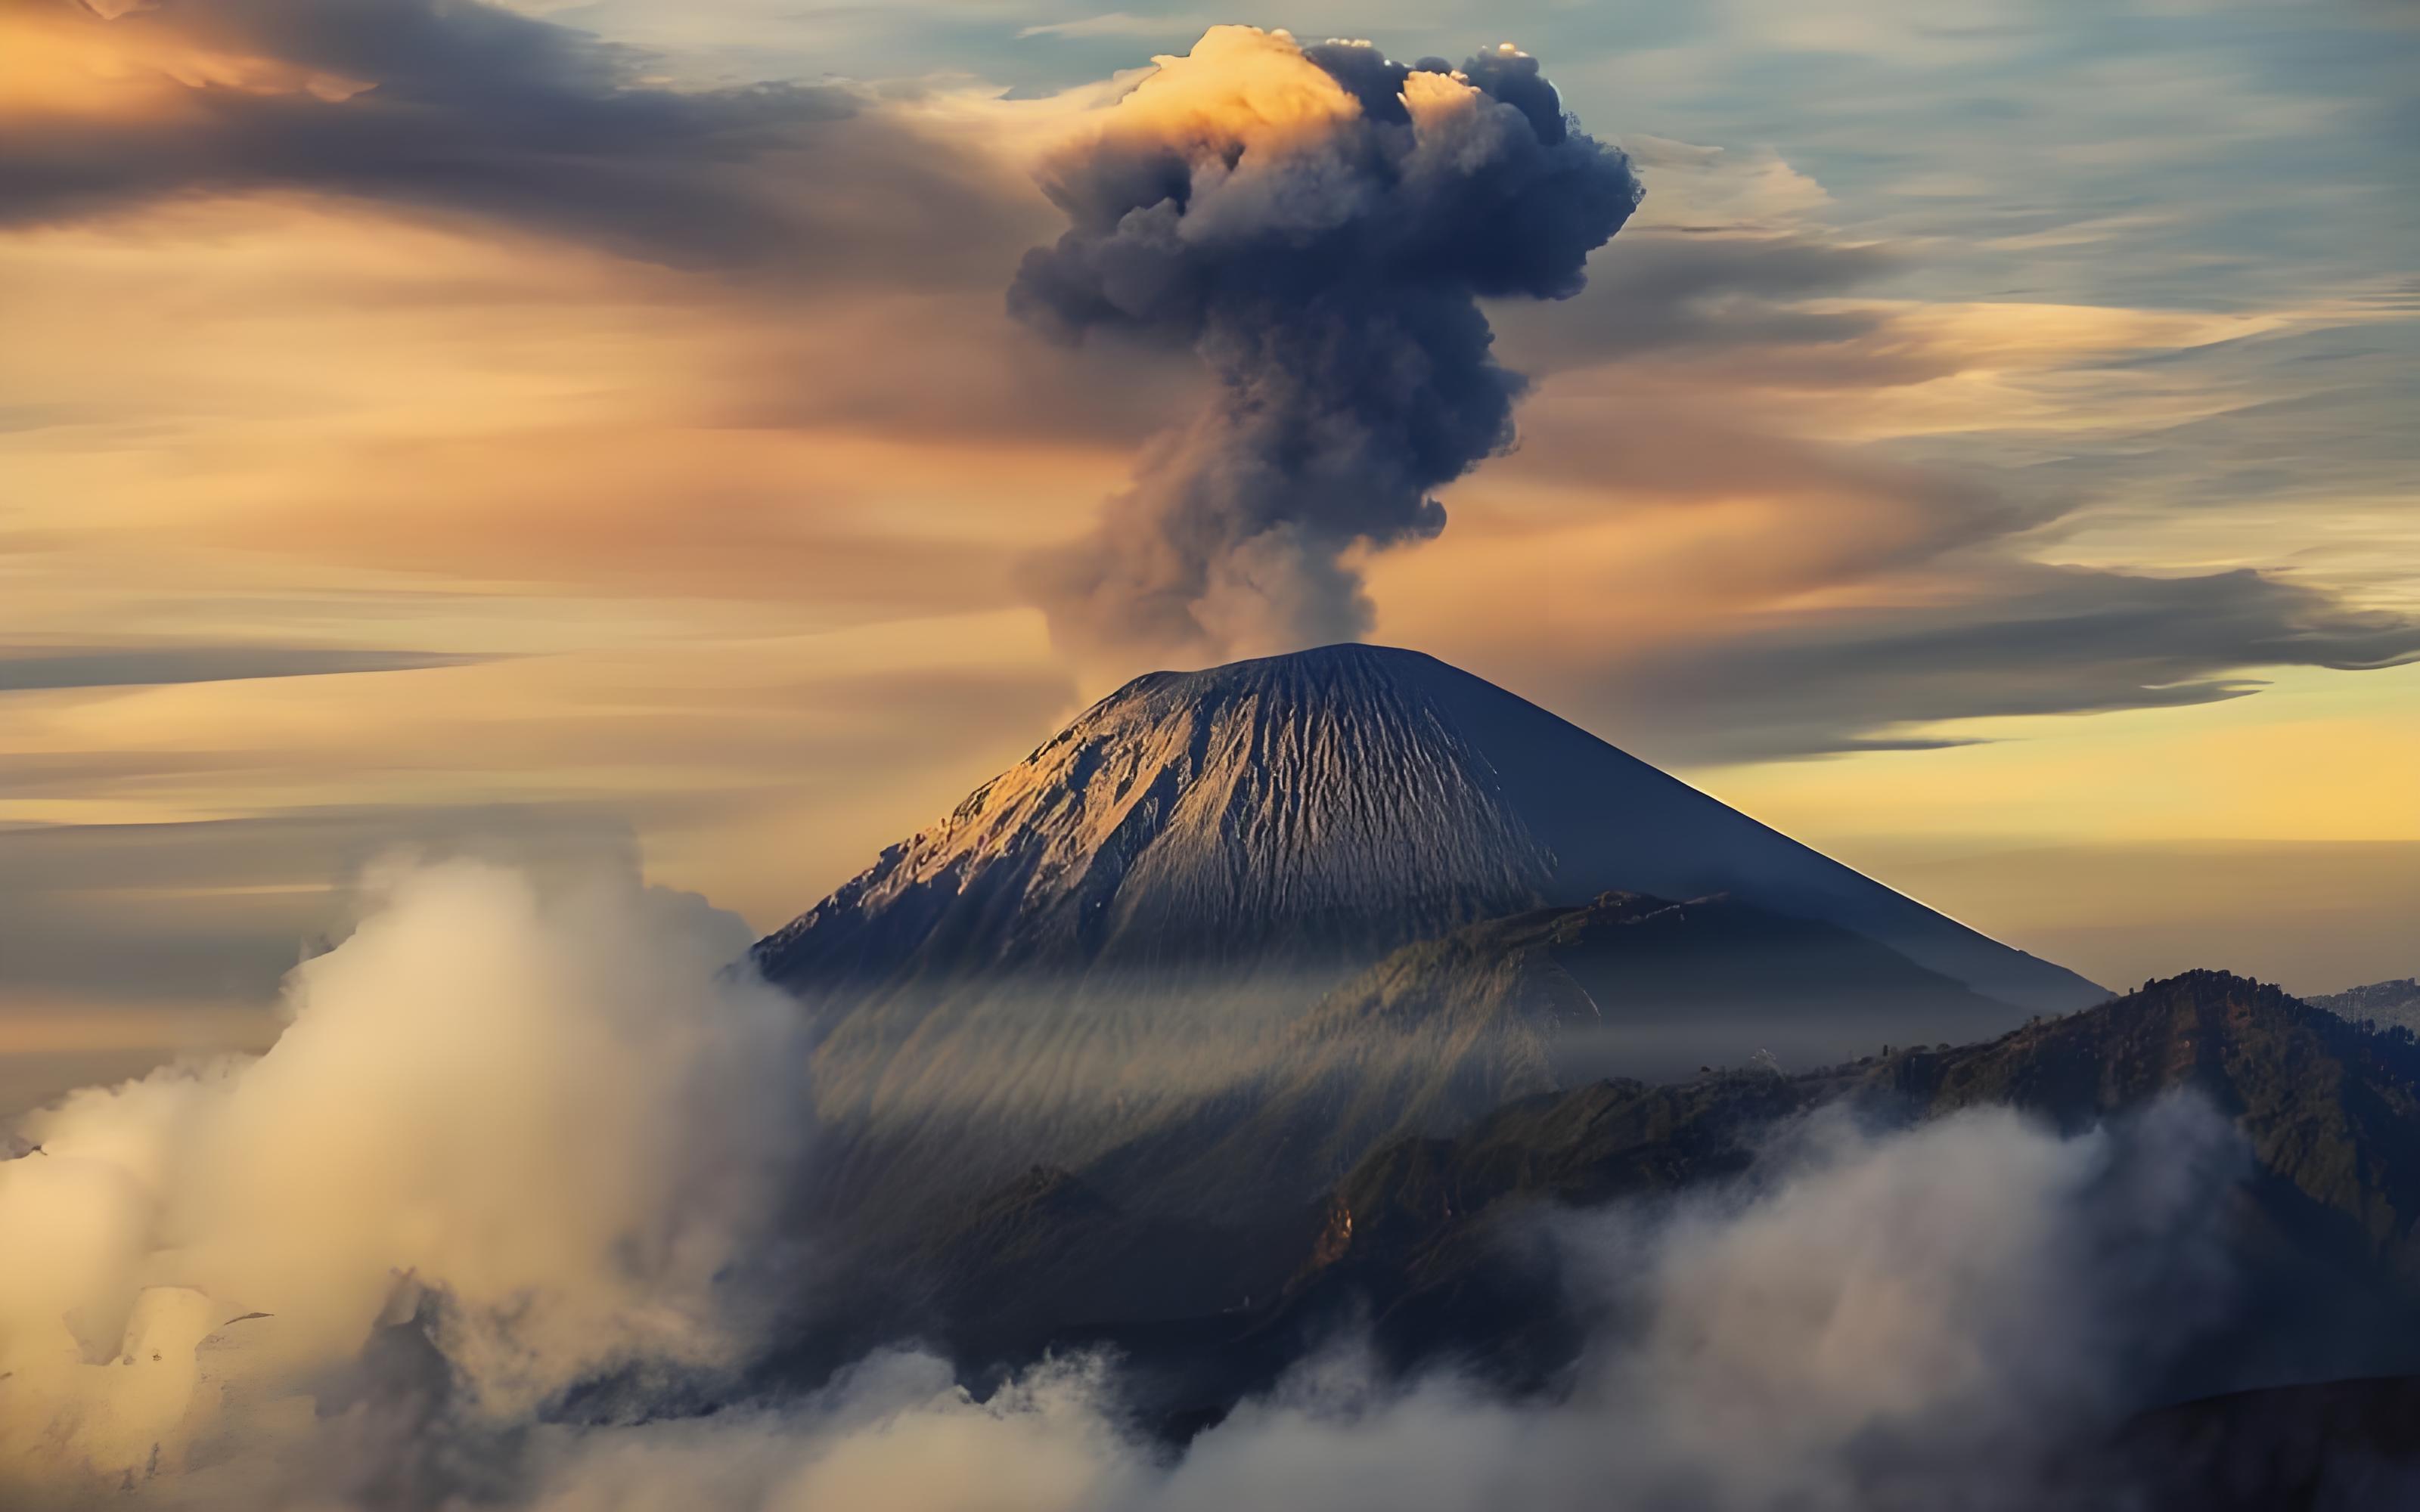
{"points": [[1311, 813], [1274, 914]]}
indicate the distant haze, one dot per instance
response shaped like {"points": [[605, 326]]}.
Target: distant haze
{"points": [[2313, 919]]}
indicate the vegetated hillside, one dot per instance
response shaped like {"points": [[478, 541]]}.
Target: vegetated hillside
{"points": [[2329, 1107], [1432, 1240], [2330, 1113], [2384, 1003], [1212, 1213], [1442, 1032]]}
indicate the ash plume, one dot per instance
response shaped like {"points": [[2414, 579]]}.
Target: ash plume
{"points": [[1318, 225]]}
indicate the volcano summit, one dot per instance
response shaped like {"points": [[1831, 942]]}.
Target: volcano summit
{"points": [[1314, 811]]}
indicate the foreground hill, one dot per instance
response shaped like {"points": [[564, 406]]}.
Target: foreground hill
{"points": [[1432, 1240], [2323, 1447], [2330, 1112]]}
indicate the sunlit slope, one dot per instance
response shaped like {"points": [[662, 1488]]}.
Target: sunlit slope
{"points": [[1315, 810]]}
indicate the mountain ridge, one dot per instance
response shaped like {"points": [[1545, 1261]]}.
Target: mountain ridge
{"points": [[2329, 1113], [1438, 1250], [2392, 1002]]}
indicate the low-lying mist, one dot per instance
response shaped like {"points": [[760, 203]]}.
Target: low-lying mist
{"points": [[548, 1122], [1926, 1320], [501, 1217]]}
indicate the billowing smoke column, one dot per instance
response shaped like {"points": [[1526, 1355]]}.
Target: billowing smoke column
{"points": [[1318, 224]]}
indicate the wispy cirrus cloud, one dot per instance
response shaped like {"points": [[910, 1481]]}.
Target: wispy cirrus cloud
{"points": [[1123, 24], [24, 668], [2013, 640]]}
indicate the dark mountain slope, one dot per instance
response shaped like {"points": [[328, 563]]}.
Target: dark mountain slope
{"points": [[1442, 1032], [2330, 1446], [2329, 1108], [1215, 1208], [1434, 1241], [1422, 1230]]}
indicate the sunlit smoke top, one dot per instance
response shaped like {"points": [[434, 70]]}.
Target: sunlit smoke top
{"points": [[1318, 225]]}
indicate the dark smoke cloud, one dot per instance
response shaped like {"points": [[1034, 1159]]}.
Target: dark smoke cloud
{"points": [[1318, 225], [1676, 292], [472, 109], [2028, 640]]}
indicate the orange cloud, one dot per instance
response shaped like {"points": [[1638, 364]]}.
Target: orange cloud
{"points": [[59, 60]]}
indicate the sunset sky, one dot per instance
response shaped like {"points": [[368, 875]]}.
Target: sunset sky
{"points": [[1987, 455]]}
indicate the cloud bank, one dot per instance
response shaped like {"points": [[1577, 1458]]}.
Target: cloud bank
{"points": [[491, 1222], [2026, 638], [1317, 225], [542, 1126], [1876, 1322], [472, 110]]}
